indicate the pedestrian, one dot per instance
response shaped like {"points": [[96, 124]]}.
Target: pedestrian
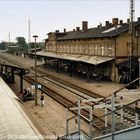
{"points": [[42, 99], [24, 95]]}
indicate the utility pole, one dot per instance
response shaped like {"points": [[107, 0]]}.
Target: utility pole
{"points": [[9, 39], [29, 36], [131, 37], [36, 103]]}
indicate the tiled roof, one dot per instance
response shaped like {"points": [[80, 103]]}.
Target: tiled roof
{"points": [[97, 32]]}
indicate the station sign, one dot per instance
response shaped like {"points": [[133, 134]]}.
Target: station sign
{"points": [[38, 86]]}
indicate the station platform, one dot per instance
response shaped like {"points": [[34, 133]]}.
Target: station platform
{"points": [[15, 123]]}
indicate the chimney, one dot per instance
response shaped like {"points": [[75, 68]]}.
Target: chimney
{"points": [[107, 23], [100, 26], [121, 22], [77, 28], [57, 31], [128, 20], [138, 19], [115, 21], [84, 25], [64, 30]]}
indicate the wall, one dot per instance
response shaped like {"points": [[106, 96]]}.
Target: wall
{"points": [[93, 47]]}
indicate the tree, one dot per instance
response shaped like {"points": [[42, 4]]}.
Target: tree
{"points": [[38, 45], [3, 45], [21, 43]]}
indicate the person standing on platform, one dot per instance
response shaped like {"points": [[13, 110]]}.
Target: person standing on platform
{"points": [[42, 99]]}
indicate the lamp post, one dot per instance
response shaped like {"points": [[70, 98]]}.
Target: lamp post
{"points": [[35, 37]]}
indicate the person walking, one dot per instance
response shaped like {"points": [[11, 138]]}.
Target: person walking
{"points": [[42, 99]]}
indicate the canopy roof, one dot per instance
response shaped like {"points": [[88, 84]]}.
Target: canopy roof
{"points": [[95, 60]]}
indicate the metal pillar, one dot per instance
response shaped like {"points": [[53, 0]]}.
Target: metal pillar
{"points": [[91, 120], [105, 117], [113, 115], [57, 66], [79, 113], [21, 81], [88, 73], [1, 69], [6, 70], [35, 36], [67, 124], [136, 114], [131, 36], [121, 113], [13, 75], [136, 118], [70, 69]]}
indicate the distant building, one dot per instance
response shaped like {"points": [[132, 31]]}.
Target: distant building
{"points": [[13, 46], [3, 51], [102, 51]]}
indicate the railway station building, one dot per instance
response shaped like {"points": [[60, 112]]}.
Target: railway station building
{"points": [[101, 52]]}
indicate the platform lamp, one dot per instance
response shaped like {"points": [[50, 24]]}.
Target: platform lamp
{"points": [[35, 37]]}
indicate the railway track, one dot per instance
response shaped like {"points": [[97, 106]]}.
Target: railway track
{"points": [[76, 87], [129, 112], [99, 123], [66, 102]]}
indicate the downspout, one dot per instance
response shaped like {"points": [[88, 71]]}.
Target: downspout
{"points": [[115, 58], [114, 42]]}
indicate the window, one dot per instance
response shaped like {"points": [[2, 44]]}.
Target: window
{"points": [[106, 49], [92, 49], [102, 50], [80, 49], [109, 51], [86, 49], [96, 51], [99, 49], [72, 49], [76, 49]]}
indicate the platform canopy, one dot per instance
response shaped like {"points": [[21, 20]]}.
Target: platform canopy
{"points": [[95, 60], [126, 64]]}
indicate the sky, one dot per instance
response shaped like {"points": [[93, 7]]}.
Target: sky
{"points": [[49, 15]]}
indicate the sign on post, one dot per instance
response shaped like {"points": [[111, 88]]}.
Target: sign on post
{"points": [[38, 86]]}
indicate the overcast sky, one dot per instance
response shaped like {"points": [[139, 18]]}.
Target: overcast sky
{"points": [[50, 15]]}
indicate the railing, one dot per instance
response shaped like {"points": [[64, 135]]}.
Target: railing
{"points": [[120, 116]]}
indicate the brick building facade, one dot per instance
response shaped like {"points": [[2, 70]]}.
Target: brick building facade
{"points": [[96, 51]]}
